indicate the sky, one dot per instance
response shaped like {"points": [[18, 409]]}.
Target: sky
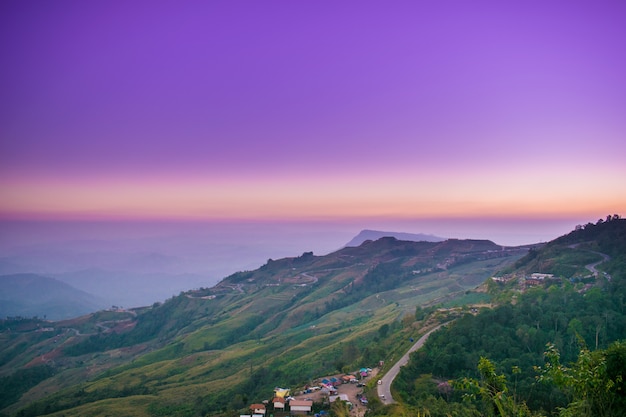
{"points": [[313, 111]]}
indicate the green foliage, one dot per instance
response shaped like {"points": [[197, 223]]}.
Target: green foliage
{"points": [[419, 313], [13, 386], [515, 336], [469, 298], [605, 236], [383, 330], [562, 261], [65, 401], [12, 352], [384, 276], [568, 255], [339, 409], [169, 410], [20, 324], [160, 322], [493, 390], [595, 383], [430, 406]]}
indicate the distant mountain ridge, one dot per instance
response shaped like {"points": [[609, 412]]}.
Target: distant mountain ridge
{"points": [[367, 234], [30, 295]]}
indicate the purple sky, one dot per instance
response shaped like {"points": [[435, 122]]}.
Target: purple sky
{"points": [[312, 109]]}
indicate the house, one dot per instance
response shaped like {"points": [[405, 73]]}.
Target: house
{"points": [[279, 403], [539, 276], [258, 409], [300, 406], [532, 282]]}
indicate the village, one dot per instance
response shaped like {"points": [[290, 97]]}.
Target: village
{"points": [[324, 391], [526, 281]]}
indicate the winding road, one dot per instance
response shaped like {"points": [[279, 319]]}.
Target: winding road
{"points": [[592, 267], [384, 388]]}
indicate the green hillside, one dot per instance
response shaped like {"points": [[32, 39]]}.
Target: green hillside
{"points": [[215, 350], [575, 308]]}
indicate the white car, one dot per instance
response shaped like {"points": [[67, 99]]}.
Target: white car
{"points": [[380, 381]]}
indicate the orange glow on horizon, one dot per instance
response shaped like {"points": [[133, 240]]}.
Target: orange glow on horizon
{"points": [[345, 198]]}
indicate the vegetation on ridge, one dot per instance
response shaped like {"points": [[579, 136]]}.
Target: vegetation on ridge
{"points": [[583, 322]]}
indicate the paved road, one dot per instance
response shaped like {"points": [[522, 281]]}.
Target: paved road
{"points": [[384, 389], [311, 277], [592, 267]]}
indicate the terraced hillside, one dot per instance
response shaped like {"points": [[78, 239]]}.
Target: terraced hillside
{"points": [[213, 350]]}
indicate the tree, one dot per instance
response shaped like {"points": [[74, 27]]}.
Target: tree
{"points": [[595, 383], [383, 331], [492, 388], [420, 313], [339, 409]]}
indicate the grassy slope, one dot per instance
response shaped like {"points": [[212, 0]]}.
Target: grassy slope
{"points": [[261, 327]]}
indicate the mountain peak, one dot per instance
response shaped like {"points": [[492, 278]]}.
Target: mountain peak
{"points": [[367, 234]]}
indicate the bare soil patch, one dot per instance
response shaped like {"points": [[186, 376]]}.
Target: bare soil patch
{"points": [[352, 390]]}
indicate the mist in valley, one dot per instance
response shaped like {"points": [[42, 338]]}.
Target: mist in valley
{"points": [[133, 263], [136, 264]]}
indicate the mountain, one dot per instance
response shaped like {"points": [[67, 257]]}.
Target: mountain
{"points": [[29, 295], [366, 234], [285, 323]]}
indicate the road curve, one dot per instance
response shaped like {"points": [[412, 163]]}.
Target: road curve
{"points": [[592, 267], [384, 388]]}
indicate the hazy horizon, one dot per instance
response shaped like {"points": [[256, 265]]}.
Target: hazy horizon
{"points": [[136, 263], [322, 236]]}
